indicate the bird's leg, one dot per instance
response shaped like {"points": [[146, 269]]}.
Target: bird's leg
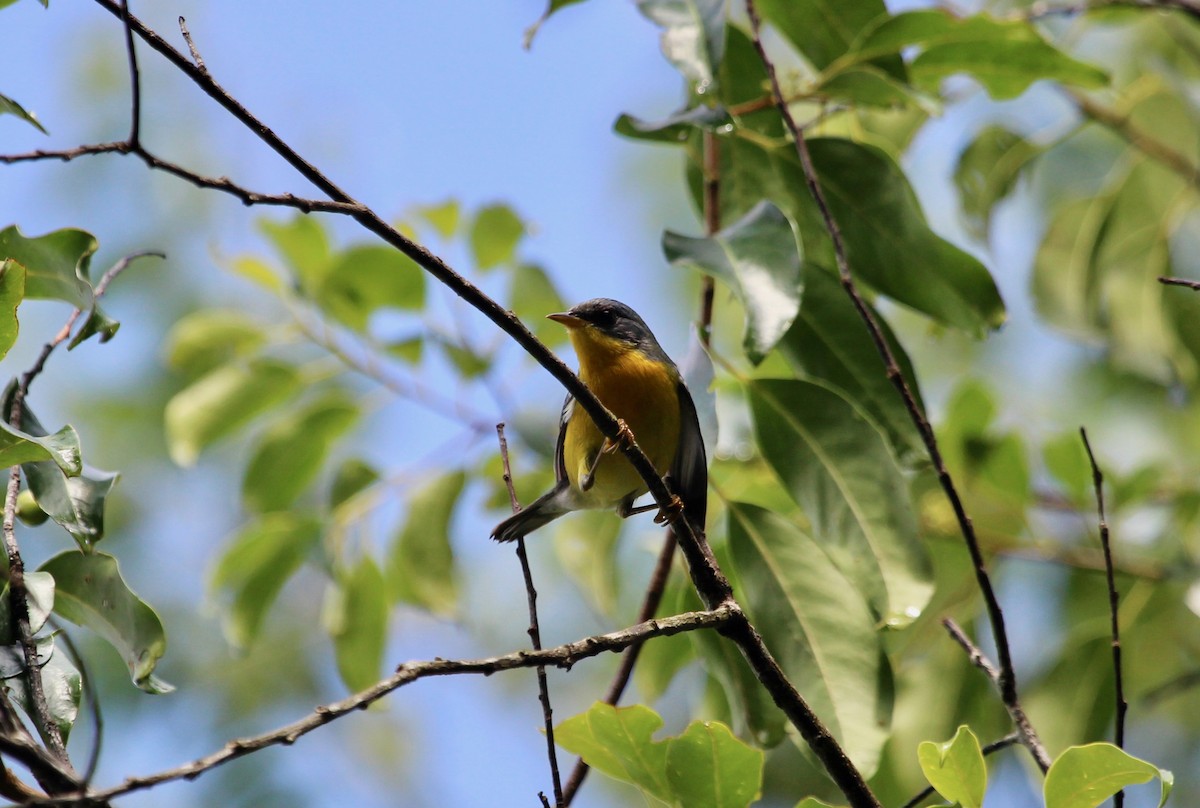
{"points": [[588, 479], [668, 514]]}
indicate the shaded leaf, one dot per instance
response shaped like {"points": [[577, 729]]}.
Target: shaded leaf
{"points": [[356, 615], [62, 687], [823, 30], [868, 85], [987, 172], [1085, 776], [618, 741], [365, 279], [11, 107], [12, 657], [222, 401], [956, 768], [817, 624], [90, 592], [421, 568], [352, 476], [708, 767], [675, 128], [61, 448], [97, 323], [256, 564], [759, 260], [12, 292], [693, 37], [290, 453], [495, 233], [837, 467], [587, 549], [77, 503], [39, 590], [204, 339]]}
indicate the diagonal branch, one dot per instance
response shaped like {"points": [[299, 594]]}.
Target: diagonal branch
{"points": [[563, 656]]}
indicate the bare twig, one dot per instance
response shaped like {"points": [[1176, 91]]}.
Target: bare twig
{"points": [[563, 656], [1190, 284], [535, 633], [1015, 711], [989, 749], [1122, 706], [135, 79], [187, 37]]}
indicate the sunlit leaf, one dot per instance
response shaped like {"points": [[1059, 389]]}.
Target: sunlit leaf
{"points": [[837, 467], [444, 216], [90, 592], [304, 245], [61, 448], [1085, 776], [956, 768], [291, 452], [759, 260], [495, 233], [56, 264], [352, 476], [813, 802], [365, 279], [11, 107], [868, 85], [421, 568], [204, 339], [222, 401], [817, 624], [39, 590], [356, 616], [823, 30], [693, 37], [12, 292], [618, 742], [708, 767], [256, 564]]}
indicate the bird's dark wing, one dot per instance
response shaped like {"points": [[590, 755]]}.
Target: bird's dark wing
{"points": [[689, 471], [560, 463]]}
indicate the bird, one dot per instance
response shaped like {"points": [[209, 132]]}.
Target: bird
{"points": [[623, 364]]}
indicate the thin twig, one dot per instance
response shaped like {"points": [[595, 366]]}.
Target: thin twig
{"points": [[562, 656], [1122, 706], [135, 80], [1015, 711], [535, 633], [187, 37], [1190, 284], [991, 748]]}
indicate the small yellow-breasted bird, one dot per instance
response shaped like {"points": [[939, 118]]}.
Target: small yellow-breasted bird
{"points": [[623, 364]]}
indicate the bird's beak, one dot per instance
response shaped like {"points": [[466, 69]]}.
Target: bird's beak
{"points": [[567, 319]]}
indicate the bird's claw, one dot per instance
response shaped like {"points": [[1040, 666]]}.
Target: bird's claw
{"points": [[672, 511], [624, 438]]}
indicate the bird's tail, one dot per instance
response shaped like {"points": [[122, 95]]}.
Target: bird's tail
{"points": [[545, 509]]}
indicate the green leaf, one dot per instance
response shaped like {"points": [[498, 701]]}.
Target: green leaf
{"points": [[407, 349], [444, 217], [870, 86], [617, 741], [304, 245], [77, 503], [12, 292], [421, 569], [813, 802], [469, 363], [587, 549], [365, 279], [352, 476], [837, 467], [222, 401], [956, 768], [258, 272], [62, 687], [256, 564], [532, 297], [551, 7], [759, 260], [91, 593], [675, 128], [987, 172], [204, 339], [708, 767], [830, 342], [817, 624], [356, 615], [1085, 776], [291, 452], [495, 233], [39, 590], [97, 323], [56, 264], [693, 37], [823, 30], [18, 447], [11, 107], [1067, 462]]}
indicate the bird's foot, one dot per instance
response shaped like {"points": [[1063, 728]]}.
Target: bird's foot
{"points": [[671, 513]]}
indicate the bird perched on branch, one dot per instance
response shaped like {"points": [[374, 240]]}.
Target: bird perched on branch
{"points": [[623, 364]]}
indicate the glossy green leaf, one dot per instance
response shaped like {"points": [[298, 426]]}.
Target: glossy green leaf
{"points": [[445, 217], [956, 768], [693, 36], [987, 172], [11, 107], [352, 476], [817, 624], [1085, 776], [56, 264], [421, 567], [77, 503], [39, 590], [356, 616], [618, 742], [204, 339], [675, 128], [224, 400], [97, 324], [291, 452], [708, 767], [365, 279], [495, 233], [304, 245], [830, 342], [18, 447], [91, 593], [62, 687], [255, 565], [12, 292], [837, 467], [759, 260], [532, 297], [823, 30]]}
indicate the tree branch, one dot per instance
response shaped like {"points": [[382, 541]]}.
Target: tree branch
{"points": [[1185, 282], [563, 656]]}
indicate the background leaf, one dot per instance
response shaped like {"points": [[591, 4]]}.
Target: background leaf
{"points": [[420, 567], [356, 615], [12, 292], [495, 233], [1085, 776]]}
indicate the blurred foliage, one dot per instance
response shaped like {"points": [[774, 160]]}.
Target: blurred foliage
{"points": [[826, 511]]}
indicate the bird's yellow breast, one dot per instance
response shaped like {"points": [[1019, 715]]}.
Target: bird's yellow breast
{"points": [[639, 390]]}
